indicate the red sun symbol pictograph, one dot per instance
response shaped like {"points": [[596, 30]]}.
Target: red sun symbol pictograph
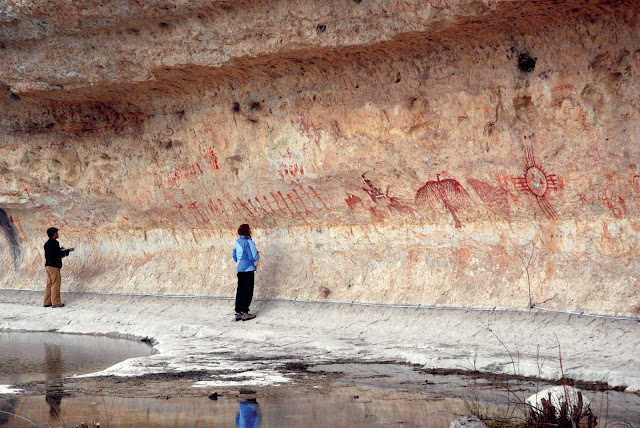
{"points": [[537, 182]]}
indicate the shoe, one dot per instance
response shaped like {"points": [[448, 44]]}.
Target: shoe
{"points": [[238, 316], [46, 306], [247, 317], [58, 306]]}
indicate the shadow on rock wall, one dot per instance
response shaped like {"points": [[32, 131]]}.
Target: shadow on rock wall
{"points": [[12, 238]]}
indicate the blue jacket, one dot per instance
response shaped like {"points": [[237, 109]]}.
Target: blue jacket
{"points": [[245, 253], [248, 415]]}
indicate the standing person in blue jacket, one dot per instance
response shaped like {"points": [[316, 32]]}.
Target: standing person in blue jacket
{"points": [[245, 253]]}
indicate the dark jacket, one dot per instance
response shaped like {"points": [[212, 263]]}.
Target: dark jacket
{"points": [[53, 254]]}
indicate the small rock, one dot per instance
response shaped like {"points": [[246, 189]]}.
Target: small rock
{"points": [[213, 396], [468, 421]]}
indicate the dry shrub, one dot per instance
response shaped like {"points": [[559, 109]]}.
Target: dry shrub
{"points": [[568, 416]]}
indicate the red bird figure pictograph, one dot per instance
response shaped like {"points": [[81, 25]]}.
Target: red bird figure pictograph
{"points": [[448, 191]]}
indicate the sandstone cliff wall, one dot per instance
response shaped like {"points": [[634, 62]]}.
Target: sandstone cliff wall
{"points": [[451, 153]]}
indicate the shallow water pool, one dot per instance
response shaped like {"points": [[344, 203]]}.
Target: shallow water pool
{"points": [[346, 408], [27, 357]]}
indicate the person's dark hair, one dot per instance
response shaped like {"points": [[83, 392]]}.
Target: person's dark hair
{"points": [[51, 231], [244, 229]]}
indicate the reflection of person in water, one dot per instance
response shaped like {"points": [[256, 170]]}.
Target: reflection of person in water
{"points": [[53, 397], [8, 410], [54, 391], [248, 414]]}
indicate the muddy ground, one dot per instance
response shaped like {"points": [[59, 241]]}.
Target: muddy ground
{"points": [[291, 349]]}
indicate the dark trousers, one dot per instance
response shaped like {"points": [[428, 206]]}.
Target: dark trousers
{"points": [[244, 295]]}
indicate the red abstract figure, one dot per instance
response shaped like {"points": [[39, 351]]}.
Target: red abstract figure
{"points": [[394, 204], [608, 199], [448, 191], [635, 182], [537, 182], [372, 191], [582, 198], [353, 201], [494, 197]]}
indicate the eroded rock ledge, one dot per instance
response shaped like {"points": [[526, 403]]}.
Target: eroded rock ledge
{"points": [[451, 153]]}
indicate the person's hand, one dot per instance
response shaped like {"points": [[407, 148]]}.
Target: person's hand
{"points": [[71, 249]]}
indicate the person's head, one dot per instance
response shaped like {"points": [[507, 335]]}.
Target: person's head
{"points": [[244, 230], [52, 232]]}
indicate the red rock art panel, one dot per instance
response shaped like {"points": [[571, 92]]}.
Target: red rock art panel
{"points": [[177, 176], [494, 197], [192, 212], [89, 218], [209, 156], [16, 221], [94, 218], [448, 192], [354, 201], [537, 182], [505, 182], [395, 205], [315, 194], [440, 5], [372, 190], [598, 154], [634, 179], [611, 201], [560, 93], [245, 208], [26, 190], [563, 92], [582, 198], [291, 168], [298, 202], [291, 172], [306, 127], [52, 219], [376, 195]]}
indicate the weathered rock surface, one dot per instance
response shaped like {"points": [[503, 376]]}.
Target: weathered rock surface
{"points": [[449, 152]]}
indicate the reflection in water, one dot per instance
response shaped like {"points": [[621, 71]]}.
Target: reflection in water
{"points": [[53, 398], [7, 409], [248, 414], [53, 369], [291, 407], [21, 355]]}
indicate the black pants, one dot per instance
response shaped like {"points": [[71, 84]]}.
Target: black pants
{"points": [[244, 295]]}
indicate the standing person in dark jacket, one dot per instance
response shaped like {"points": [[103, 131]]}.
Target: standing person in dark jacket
{"points": [[245, 253], [53, 255]]}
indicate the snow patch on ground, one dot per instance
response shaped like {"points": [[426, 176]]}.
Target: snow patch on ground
{"points": [[253, 378], [6, 389]]}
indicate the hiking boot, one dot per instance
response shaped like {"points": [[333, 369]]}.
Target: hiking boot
{"points": [[247, 317], [47, 306], [238, 316], [58, 306]]}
